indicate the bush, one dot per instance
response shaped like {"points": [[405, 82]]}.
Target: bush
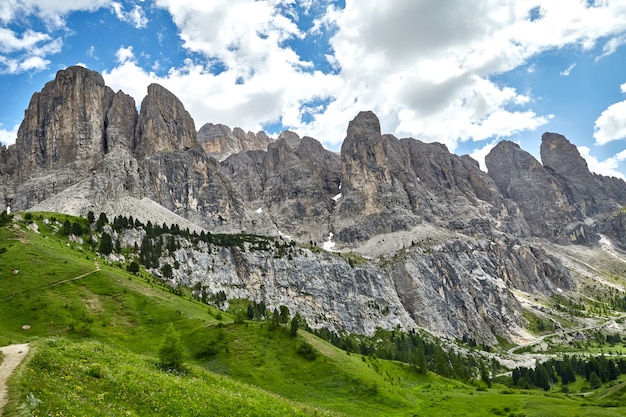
{"points": [[133, 267], [77, 229], [306, 351]]}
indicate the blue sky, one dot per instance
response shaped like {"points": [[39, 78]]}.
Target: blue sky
{"points": [[464, 73]]}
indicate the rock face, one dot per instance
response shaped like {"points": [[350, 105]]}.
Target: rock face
{"points": [[178, 174], [390, 185], [290, 189], [447, 243], [524, 180], [65, 123], [164, 125]]}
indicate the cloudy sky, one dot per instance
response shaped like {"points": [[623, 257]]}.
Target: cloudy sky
{"points": [[464, 73]]}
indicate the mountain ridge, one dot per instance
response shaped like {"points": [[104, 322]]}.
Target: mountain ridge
{"points": [[449, 238]]}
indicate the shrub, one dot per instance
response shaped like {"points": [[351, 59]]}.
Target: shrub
{"points": [[306, 351], [133, 267], [77, 229]]}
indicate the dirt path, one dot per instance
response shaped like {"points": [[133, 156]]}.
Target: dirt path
{"points": [[13, 355]]}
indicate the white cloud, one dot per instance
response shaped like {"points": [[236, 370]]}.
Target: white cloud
{"points": [[611, 46], [567, 71], [135, 17], [11, 41], [8, 137], [52, 11], [125, 54], [426, 68], [428, 74], [611, 125], [608, 167], [479, 154]]}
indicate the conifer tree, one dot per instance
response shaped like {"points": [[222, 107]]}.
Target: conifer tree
{"points": [[171, 354], [106, 244]]}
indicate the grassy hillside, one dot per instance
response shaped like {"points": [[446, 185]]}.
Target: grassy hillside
{"points": [[95, 332]]}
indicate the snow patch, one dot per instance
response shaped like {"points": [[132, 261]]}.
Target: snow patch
{"points": [[605, 242], [337, 197], [284, 235], [559, 290], [259, 210], [329, 244]]}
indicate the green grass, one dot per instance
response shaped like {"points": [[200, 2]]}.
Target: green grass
{"points": [[93, 379], [95, 342]]}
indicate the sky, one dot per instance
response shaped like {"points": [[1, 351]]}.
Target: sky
{"points": [[464, 73]]}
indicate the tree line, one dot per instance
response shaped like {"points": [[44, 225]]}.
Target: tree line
{"points": [[597, 370]]}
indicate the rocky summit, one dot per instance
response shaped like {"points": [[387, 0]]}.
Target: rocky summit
{"points": [[413, 236]]}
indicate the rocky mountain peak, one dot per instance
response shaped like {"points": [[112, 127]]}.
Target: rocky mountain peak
{"points": [[220, 142], [64, 123], [558, 154], [363, 162], [292, 138], [591, 193], [164, 124]]}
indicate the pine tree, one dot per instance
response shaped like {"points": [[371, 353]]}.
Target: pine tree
{"points": [[594, 381], [77, 229], [420, 360], [102, 220], [171, 354], [133, 267], [166, 270], [295, 324], [484, 375], [284, 314], [106, 244], [67, 228]]}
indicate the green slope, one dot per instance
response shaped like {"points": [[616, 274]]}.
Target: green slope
{"points": [[96, 331]]}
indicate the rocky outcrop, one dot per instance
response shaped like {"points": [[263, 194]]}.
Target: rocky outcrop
{"points": [[561, 200], [163, 124], [120, 123], [219, 141]]}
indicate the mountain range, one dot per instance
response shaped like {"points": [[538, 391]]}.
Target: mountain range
{"points": [[413, 235]]}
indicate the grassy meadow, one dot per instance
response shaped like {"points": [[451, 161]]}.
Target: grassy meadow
{"points": [[96, 330]]}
